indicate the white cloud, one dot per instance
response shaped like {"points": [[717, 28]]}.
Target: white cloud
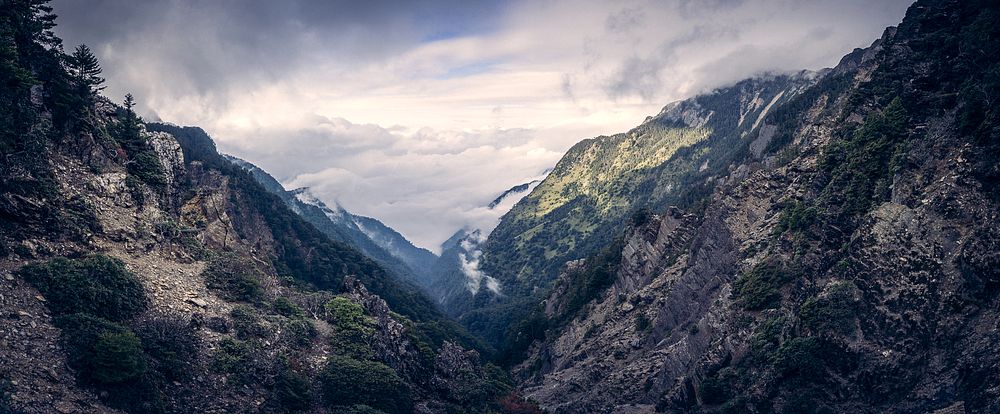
{"points": [[361, 106]]}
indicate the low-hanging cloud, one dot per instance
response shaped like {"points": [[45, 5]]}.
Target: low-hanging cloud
{"points": [[419, 113]]}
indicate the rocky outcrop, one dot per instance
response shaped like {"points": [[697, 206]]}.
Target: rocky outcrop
{"points": [[845, 264]]}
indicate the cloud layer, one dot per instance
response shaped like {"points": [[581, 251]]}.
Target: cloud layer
{"points": [[419, 113]]}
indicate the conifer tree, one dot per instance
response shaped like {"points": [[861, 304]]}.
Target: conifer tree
{"points": [[86, 69]]}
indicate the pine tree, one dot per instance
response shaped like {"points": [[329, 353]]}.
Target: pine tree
{"points": [[86, 68], [129, 104]]}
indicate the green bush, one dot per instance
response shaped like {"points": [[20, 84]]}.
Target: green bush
{"points": [[247, 323], [642, 322], [760, 288], [230, 356], [117, 357], [352, 328], [235, 277], [299, 332], [98, 285], [801, 357], [796, 217], [293, 391], [171, 343], [101, 351], [346, 382], [831, 312], [858, 168], [284, 306]]}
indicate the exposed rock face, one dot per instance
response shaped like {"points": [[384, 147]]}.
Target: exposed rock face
{"points": [[673, 158], [167, 236], [818, 278]]}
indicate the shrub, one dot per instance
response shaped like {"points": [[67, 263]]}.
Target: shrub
{"points": [[293, 391], [98, 285], [641, 216], [352, 328], [831, 312], [760, 287], [235, 278], [101, 351], [800, 357], [284, 306], [642, 322], [230, 356], [247, 323], [346, 382], [117, 357], [170, 342], [299, 332], [796, 217]]}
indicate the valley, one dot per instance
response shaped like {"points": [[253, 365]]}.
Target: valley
{"points": [[803, 242]]}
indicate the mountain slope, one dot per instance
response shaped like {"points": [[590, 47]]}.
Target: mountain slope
{"points": [[458, 279], [373, 238], [672, 158], [143, 272], [851, 268], [600, 181]]}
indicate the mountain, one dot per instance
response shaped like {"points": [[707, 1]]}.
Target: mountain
{"points": [[458, 280], [845, 260], [514, 194], [674, 157], [144, 272], [373, 238]]}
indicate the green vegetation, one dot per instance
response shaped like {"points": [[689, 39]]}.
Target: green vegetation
{"points": [[293, 391], [116, 357], [143, 163], [856, 167], [713, 391], [760, 288], [235, 278], [347, 382], [101, 351], [247, 323], [229, 356], [832, 312], [299, 332], [98, 285], [799, 356], [796, 218], [642, 322], [586, 284], [171, 344], [352, 328], [285, 307]]}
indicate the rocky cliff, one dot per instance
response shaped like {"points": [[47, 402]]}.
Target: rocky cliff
{"points": [[846, 264], [143, 272], [674, 157]]}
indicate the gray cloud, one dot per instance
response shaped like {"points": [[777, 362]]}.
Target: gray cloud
{"points": [[420, 112]]}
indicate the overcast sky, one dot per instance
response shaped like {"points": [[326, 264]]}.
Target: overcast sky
{"points": [[418, 112]]}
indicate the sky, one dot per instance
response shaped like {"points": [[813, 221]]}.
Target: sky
{"points": [[421, 112]]}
